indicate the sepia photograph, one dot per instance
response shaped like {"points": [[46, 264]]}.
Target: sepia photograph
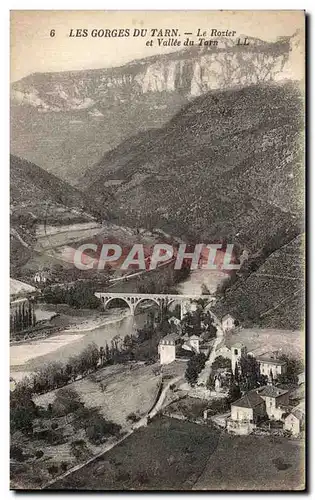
{"points": [[157, 250]]}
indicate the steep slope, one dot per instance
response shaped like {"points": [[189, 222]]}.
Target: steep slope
{"points": [[65, 121], [230, 165], [34, 189], [37, 197], [273, 295]]}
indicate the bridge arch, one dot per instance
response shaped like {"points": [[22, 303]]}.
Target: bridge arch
{"points": [[107, 301], [149, 299]]}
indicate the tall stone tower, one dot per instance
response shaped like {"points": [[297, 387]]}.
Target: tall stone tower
{"points": [[167, 348], [237, 351]]}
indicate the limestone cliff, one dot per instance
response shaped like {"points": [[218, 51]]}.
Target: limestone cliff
{"points": [[66, 121], [192, 71]]}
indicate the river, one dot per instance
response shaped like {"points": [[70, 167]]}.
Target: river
{"points": [[30, 355]]}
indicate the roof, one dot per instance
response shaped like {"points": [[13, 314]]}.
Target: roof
{"points": [[255, 397], [297, 413], [226, 316], [271, 361], [18, 287], [238, 344], [171, 337], [249, 400], [271, 391]]}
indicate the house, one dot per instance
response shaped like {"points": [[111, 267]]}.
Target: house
{"points": [[194, 342], [171, 346], [267, 401], [301, 378], [245, 413], [295, 421], [275, 400], [234, 353], [228, 322], [167, 348], [173, 320], [271, 366], [40, 277], [223, 351]]}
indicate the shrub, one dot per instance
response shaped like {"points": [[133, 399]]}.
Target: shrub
{"points": [[64, 466], [53, 469], [39, 454], [17, 453], [132, 417], [79, 449]]}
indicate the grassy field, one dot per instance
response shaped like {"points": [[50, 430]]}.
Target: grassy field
{"points": [[270, 339], [254, 463], [186, 456], [168, 454], [117, 390]]}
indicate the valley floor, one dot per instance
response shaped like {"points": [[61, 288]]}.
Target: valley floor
{"points": [[185, 456]]}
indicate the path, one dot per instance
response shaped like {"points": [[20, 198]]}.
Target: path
{"points": [[143, 422], [205, 373]]}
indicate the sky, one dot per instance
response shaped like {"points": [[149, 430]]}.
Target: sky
{"points": [[34, 50]]}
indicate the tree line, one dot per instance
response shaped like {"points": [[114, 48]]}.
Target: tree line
{"points": [[22, 317], [139, 346], [79, 295]]}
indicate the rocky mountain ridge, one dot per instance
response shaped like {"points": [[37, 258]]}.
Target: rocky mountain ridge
{"points": [[191, 71], [65, 121]]}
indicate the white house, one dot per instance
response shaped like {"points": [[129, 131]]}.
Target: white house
{"points": [[264, 401], [276, 399], [228, 322], [245, 413], [167, 348], [271, 366], [194, 342], [174, 320], [295, 421], [40, 277]]}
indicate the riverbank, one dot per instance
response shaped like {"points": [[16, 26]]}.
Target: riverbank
{"points": [[27, 357]]}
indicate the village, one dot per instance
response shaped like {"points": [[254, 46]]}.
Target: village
{"points": [[186, 364], [270, 396]]}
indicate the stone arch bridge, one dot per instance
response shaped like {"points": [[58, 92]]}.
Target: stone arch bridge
{"points": [[161, 299]]}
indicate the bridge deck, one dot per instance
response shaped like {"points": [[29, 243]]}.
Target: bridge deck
{"points": [[152, 295]]}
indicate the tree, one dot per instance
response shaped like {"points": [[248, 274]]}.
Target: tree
{"points": [[293, 368], [221, 362], [97, 428], [194, 366], [79, 449], [271, 376], [234, 392], [205, 290], [249, 377], [236, 373], [23, 410], [88, 359], [66, 401]]}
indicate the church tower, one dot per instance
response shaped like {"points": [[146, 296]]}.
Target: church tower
{"points": [[237, 351]]}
